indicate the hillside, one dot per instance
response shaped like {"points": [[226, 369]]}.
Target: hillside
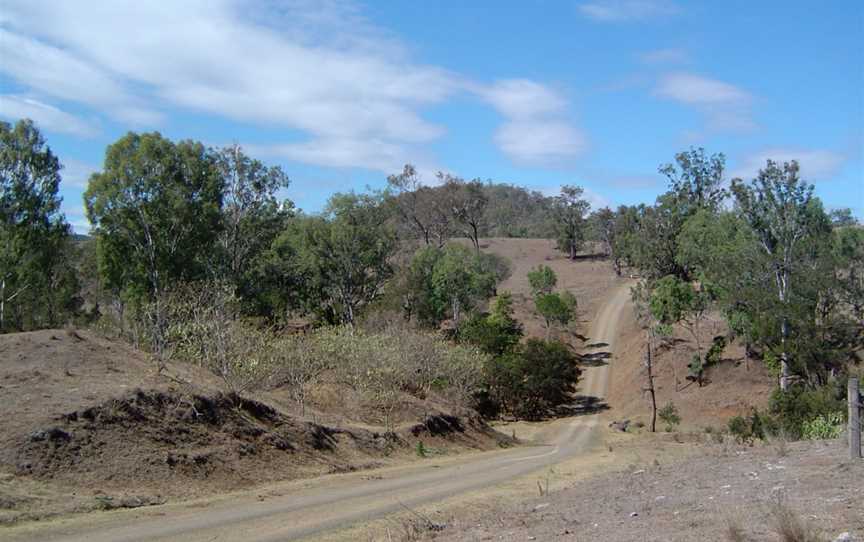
{"points": [[87, 423], [732, 387]]}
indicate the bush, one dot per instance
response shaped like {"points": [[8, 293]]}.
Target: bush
{"points": [[534, 379], [495, 333], [669, 415], [799, 405], [823, 427], [554, 309], [542, 280], [757, 425], [715, 352]]}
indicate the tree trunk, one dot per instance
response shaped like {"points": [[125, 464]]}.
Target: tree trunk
{"points": [[784, 357], [649, 370], [2, 305], [572, 251]]}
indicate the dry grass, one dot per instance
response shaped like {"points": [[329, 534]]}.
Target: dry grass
{"points": [[790, 525], [735, 531]]}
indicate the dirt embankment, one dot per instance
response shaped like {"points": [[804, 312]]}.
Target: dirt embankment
{"points": [[87, 423]]}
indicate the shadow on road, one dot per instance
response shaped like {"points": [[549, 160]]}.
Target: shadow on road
{"points": [[582, 405], [595, 359]]}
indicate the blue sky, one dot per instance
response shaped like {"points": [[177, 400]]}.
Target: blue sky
{"points": [[537, 93]]}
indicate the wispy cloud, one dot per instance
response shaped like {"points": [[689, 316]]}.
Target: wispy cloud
{"points": [[627, 10], [48, 117], [316, 68], [76, 174], [537, 131], [697, 90], [672, 55], [319, 69], [725, 106], [816, 164]]}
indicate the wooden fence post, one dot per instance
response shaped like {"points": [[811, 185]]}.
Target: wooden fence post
{"points": [[854, 400]]}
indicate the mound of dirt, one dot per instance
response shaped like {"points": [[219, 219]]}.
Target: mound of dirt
{"points": [[87, 423], [164, 440]]}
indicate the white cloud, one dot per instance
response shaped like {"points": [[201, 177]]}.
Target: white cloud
{"points": [[816, 164], [521, 98], [317, 68], [627, 10], [697, 90], [536, 131], [726, 107], [540, 142], [76, 174], [665, 56], [45, 116], [313, 67]]}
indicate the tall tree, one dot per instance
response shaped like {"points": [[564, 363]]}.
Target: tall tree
{"points": [[569, 210], [34, 234], [345, 255], [780, 210], [155, 209], [419, 207], [467, 203], [251, 215], [697, 181]]}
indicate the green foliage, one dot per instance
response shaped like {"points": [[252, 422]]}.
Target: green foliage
{"points": [[668, 414], [715, 352], [542, 280], [251, 218], [446, 282], [344, 257], [38, 286], [671, 300], [554, 309], [496, 333], [798, 405], [569, 212], [746, 429], [534, 379], [822, 427], [422, 452], [697, 181], [155, 211]]}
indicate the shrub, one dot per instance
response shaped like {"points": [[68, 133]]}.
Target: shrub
{"points": [[553, 309], [823, 427], [757, 425], [534, 379], [715, 351], [496, 333], [669, 415], [798, 405], [542, 280]]}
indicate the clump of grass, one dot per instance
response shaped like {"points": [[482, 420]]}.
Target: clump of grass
{"points": [[735, 529], [791, 526]]}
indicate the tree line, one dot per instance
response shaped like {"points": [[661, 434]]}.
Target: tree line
{"points": [[167, 216]]}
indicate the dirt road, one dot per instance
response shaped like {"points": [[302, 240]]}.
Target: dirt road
{"points": [[297, 510]]}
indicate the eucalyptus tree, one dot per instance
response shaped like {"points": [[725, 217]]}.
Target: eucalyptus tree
{"points": [[569, 210], [344, 255], [785, 219], [34, 235], [155, 211], [251, 217]]}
